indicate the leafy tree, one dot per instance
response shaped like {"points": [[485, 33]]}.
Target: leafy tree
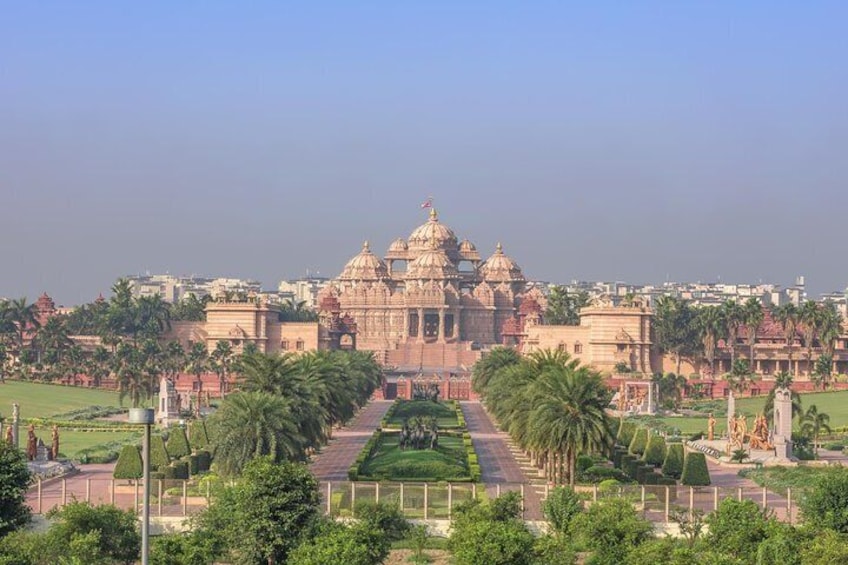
{"points": [[193, 548], [695, 471], [825, 505], [669, 389], [737, 528], [266, 514], [117, 534], [560, 508], [674, 328], [14, 481], [782, 380], [129, 465], [822, 371], [383, 517], [564, 308], [813, 423], [199, 436], [739, 376], [297, 311], [673, 463], [782, 545], [610, 529], [359, 544], [190, 309], [826, 548], [490, 542], [553, 550]]}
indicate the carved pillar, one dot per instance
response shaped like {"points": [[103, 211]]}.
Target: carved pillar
{"points": [[441, 325], [456, 325], [421, 325]]}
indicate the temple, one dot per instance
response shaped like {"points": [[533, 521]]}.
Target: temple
{"points": [[430, 303]]}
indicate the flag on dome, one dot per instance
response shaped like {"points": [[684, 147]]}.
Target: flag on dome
{"points": [[427, 203]]}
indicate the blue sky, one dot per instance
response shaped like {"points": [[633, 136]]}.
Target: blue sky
{"points": [[637, 141]]}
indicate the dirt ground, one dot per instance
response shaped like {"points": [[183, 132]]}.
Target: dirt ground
{"points": [[401, 557]]}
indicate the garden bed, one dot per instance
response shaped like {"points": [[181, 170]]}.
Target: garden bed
{"points": [[448, 414]]}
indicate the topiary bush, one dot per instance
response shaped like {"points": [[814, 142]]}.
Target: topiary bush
{"points": [[204, 461], [178, 443], [639, 442], [673, 464], [180, 469], [695, 471], [199, 438], [193, 464], [655, 451], [159, 457], [626, 430], [129, 465], [631, 467]]}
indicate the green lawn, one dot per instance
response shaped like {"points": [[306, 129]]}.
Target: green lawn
{"points": [[388, 462], [71, 442], [444, 412], [43, 401]]}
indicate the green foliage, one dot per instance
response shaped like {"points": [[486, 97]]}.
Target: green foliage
{"points": [[553, 550], [826, 548], [178, 443], [655, 451], [204, 461], [695, 471], [564, 308], [626, 431], [193, 464], [194, 548], [107, 531], [492, 543], [737, 528], [199, 437], [639, 442], [610, 529], [673, 463], [826, 503], [782, 545], [267, 513], [181, 470], [159, 457], [665, 551], [598, 473], [506, 507], [360, 544], [14, 480], [383, 517], [561, 506], [129, 465]]}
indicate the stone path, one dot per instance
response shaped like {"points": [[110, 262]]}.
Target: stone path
{"points": [[499, 460], [335, 458]]}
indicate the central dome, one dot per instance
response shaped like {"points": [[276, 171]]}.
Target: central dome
{"points": [[433, 264], [424, 237], [365, 267]]}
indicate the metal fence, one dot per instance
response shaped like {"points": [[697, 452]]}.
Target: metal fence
{"points": [[423, 501]]}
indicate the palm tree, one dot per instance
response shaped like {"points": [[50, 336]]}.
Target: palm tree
{"points": [[197, 362], [813, 423], [753, 316], [128, 369], [710, 326], [253, 424], [809, 316], [152, 315], [782, 380], [97, 365], [733, 316], [569, 415], [25, 318], [739, 375], [490, 364], [674, 328], [222, 361], [787, 317]]}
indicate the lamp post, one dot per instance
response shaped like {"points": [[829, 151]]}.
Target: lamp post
{"points": [[144, 416]]}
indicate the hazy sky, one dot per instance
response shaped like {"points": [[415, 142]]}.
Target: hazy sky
{"points": [[638, 141]]}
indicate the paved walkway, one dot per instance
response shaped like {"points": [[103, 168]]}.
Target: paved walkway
{"points": [[497, 456], [335, 458]]}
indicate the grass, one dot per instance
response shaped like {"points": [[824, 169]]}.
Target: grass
{"points": [[389, 462], [43, 400], [778, 479], [444, 412], [71, 442]]}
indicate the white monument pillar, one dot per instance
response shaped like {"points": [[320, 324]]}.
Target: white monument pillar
{"points": [[16, 421], [731, 412], [783, 423]]}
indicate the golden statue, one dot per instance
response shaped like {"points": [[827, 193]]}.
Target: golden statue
{"points": [[54, 448], [711, 423], [759, 436]]}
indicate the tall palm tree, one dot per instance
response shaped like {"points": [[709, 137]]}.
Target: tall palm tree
{"points": [[809, 316], [253, 424], [569, 414], [129, 371], [733, 316], [710, 327], [674, 328], [813, 423], [25, 318], [830, 326], [783, 380], [197, 363], [753, 316], [787, 316], [491, 363], [222, 361]]}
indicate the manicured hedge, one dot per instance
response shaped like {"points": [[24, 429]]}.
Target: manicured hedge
{"points": [[193, 464], [199, 438], [626, 430], [617, 454], [178, 443], [630, 465], [177, 470], [204, 461], [158, 454], [129, 464], [655, 451], [639, 442], [695, 471], [673, 464]]}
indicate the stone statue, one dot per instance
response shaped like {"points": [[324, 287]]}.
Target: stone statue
{"points": [[621, 398], [10, 439], [54, 448], [759, 436], [32, 444], [711, 423]]}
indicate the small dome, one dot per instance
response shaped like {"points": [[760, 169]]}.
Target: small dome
{"points": [[468, 251], [433, 264], [365, 267], [433, 231], [398, 245], [501, 268]]}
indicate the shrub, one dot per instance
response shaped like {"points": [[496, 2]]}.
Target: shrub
{"points": [[598, 473], [553, 550], [610, 529], [488, 542], [643, 471], [673, 464], [561, 506], [834, 446], [631, 467], [199, 439], [617, 454], [583, 462], [655, 451], [826, 502], [695, 471], [626, 430], [178, 443], [352, 545], [737, 528], [180, 469], [158, 454], [204, 461], [14, 480], [129, 465], [639, 442], [383, 517]]}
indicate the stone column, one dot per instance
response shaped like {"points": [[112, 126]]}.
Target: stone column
{"points": [[783, 423], [456, 325], [441, 325], [421, 325], [16, 421], [731, 412]]}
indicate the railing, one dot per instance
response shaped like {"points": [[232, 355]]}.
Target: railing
{"points": [[422, 501]]}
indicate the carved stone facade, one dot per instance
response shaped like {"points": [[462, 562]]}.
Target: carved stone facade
{"points": [[430, 301]]}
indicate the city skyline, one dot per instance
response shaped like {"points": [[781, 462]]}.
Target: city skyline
{"points": [[604, 142]]}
